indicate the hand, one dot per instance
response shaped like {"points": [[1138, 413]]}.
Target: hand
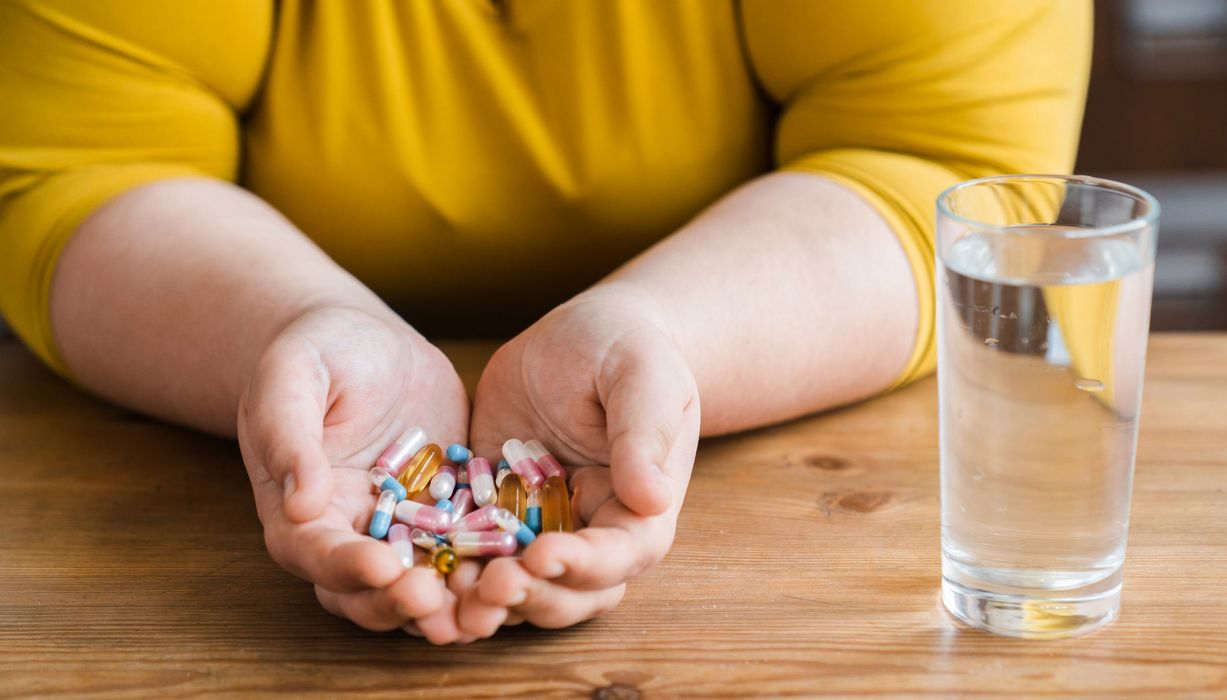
{"points": [[601, 382], [330, 392]]}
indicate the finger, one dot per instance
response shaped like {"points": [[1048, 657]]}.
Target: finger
{"points": [[367, 609], [440, 627], [464, 577], [282, 428], [542, 602], [595, 558], [644, 405], [479, 618], [418, 593], [337, 559], [590, 489]]}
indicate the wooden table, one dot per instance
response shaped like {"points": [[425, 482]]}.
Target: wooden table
{"points": [[131, 563]]}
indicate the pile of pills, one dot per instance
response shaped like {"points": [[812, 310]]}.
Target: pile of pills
{"points": [[453, 504]]}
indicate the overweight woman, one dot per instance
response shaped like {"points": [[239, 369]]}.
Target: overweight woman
{"points": [[694, 217]]}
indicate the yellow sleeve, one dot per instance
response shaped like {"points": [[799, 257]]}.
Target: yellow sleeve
{"points": [[98, 98], [899, 99]]}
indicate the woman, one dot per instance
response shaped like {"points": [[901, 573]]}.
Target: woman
{"points": [[209, 210]]}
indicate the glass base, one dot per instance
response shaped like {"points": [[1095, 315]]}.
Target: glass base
{"points": [[1029, 616]]}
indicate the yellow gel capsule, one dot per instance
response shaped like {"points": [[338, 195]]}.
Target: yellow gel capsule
{"points": [[417, 474], [512, 496], [555, 506], [444, 560]]}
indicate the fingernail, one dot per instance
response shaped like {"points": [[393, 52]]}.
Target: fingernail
{"points": [[553, 570], [289, 486], [518, 599]]}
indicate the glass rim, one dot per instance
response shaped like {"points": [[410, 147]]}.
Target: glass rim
{"points": [[1143, 221]]}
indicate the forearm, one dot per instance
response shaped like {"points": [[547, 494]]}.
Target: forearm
{"points": [[788, 296], [164, 299]]}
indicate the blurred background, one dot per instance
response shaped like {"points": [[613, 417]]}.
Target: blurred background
{"points": [[1156, 117]]}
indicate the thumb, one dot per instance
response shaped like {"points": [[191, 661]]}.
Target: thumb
{"points": [[648, 393], [281, 430]]}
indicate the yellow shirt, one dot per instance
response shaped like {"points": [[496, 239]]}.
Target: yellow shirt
{"points": [[476, 161]]}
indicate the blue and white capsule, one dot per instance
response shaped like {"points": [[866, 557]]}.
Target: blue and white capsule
{"points": [[382, 519], [386, 482], [508, 522], [532, 514], [445, 505], [459, 453], [503, 470]]}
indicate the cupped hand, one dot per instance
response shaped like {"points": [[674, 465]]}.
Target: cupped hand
{"points": [[601, 382], [329, 393]]}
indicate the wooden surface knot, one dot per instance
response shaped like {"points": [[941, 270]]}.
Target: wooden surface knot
{"points": [[615, 691], [826, 463], [855, 501]]}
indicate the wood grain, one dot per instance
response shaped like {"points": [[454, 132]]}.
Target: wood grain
{"points": [[131, 564]]}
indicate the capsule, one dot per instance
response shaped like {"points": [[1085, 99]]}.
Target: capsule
{"points": [[501, 473], [462, 502], [423, 516], [494, 543], [417, 473], [443, 482], [402, 544], [555, 506], [522, 463], [481, 480], [512, 496], [546, 461], [459, 453], [383, 514], [486, 518], [445, 505], [426, 540], [394, 458], [386, 482], [532, 513], [507, 522], [444, 559]]}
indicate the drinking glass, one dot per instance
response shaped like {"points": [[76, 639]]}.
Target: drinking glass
{"points": [[1043, 293]]}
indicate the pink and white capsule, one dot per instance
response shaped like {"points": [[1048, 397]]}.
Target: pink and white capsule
{"points": [[462, 502], [423, 516], [402, 544], [484, 544], [549, 466], [443, 483], [487, 518], [394, 459], [481, 480], [522, 463]]}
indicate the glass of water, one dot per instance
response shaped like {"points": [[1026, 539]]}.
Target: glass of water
{"points": [[1043, 293]]}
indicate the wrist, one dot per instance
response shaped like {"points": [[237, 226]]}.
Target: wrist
{"points": [[631, 298]]}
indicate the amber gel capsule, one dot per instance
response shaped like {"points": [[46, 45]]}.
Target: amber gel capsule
{"points": [[512, 496], [417, 474], [444, 560], [555, 506]]}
